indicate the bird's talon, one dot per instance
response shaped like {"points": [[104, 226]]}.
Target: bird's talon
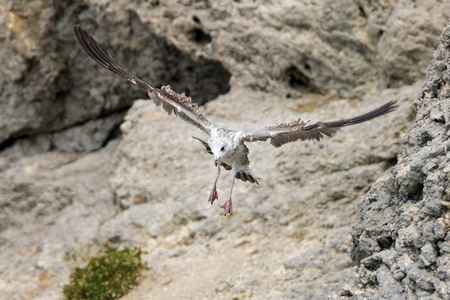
{"points": [[227, 207], [213, 196]]}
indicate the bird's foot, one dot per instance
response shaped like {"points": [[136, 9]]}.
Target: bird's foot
{"points": [[213, 196], [227, 207]]}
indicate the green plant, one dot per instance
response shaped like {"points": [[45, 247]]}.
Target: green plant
{"points": [[412, 113], [109, 276]]}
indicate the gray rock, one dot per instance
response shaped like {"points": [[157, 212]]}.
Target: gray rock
{"points": [[428, 254], [222, 286], [338, 48], [71, 182], [47, 78], [416, 218]]}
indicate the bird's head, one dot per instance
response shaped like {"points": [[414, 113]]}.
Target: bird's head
{"points": [[220, 149]]}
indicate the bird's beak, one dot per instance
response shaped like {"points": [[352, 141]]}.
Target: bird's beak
{"points": [[216, 162]]}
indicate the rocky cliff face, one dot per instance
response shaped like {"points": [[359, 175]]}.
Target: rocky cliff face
{"points": [[400, 237], [345, 48], [73, 180]]}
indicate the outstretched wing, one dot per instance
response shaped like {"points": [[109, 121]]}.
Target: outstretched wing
{"points": [[300, 130], [179, 104]]}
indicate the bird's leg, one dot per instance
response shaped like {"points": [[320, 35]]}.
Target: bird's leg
{"points": [[213, 196], [227, 206]]}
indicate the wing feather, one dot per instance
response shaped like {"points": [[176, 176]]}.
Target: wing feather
{"points": [[301, 130], [172, 102]]}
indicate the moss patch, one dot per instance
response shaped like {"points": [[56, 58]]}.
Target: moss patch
{"points": [[109, 276]]}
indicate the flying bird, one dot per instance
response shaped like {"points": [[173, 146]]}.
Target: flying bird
{"points": [[226, 145]]}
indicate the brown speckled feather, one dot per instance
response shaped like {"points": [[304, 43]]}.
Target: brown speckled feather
{"points": [[172, 102], [300, 130]]}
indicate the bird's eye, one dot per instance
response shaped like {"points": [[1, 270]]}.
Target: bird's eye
{"points": [[223, 148]]}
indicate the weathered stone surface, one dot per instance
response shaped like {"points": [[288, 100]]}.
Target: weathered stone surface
{"points": [[290, 224], [339, 47], [148, 187], [48, 83], [415, 217]]}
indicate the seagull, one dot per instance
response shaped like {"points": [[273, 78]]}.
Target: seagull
{"points": [[226, 145]]}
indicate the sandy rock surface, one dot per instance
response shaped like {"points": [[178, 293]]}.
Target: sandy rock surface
{"points": [[80, 168]]}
